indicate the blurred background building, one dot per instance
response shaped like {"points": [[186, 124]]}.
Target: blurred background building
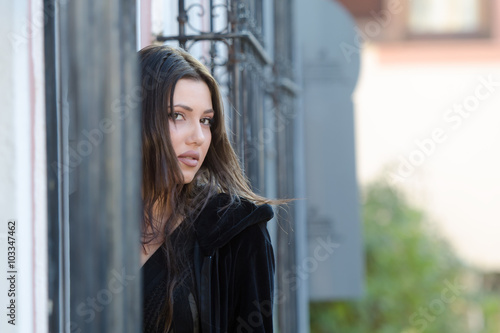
{"points": [[434, 66]]}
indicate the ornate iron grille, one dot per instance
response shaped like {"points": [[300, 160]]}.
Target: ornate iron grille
{"points": [[231, 42]]}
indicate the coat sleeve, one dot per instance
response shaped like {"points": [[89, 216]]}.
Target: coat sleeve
{"points": [[254, 283]]}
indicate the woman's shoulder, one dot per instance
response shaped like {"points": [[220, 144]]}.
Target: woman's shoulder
{"points": [[224, 218]]}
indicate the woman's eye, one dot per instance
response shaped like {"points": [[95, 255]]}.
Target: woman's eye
{"points": [[207, 121], [176, 116]]}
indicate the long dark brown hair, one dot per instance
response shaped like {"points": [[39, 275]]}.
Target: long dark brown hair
{"points": [[166, 199]]}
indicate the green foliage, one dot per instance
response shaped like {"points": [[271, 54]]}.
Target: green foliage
{"points": [[489, 303], [414, 283]]}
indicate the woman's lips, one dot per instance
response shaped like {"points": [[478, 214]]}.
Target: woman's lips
{"points": [[188, 161], [189, 158]]}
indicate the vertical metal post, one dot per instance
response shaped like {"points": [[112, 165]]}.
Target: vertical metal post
{"points": [[182, 18], [234, 67], [288, 315], [213, 50], [99, 69], [56, 265]]}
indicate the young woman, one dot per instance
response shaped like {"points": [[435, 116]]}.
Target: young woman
{"points": [[208, 263]]}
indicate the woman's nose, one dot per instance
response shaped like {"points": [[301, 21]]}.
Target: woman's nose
{"points": [[197, 136]]}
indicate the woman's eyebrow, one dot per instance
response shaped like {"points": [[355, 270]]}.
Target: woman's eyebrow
{"points": [[187, 108]]}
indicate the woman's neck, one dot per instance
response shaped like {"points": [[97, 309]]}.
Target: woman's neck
{"points": [[154, 235]]}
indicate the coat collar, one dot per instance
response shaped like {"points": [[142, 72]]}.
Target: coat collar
{"points": [[215, 229]]}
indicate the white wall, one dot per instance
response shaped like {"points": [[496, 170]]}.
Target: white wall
{"points": [[458, 179], [22, 171]]}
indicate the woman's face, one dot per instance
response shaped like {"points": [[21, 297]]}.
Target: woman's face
{"points": [[190, 125]]}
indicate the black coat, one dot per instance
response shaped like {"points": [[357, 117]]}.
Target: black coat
{"points": [[234, 268]]}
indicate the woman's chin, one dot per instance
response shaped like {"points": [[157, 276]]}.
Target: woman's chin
{"points": [[188, 178]]}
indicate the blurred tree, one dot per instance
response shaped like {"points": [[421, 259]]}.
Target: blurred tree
{"points": [[414, 282]]}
